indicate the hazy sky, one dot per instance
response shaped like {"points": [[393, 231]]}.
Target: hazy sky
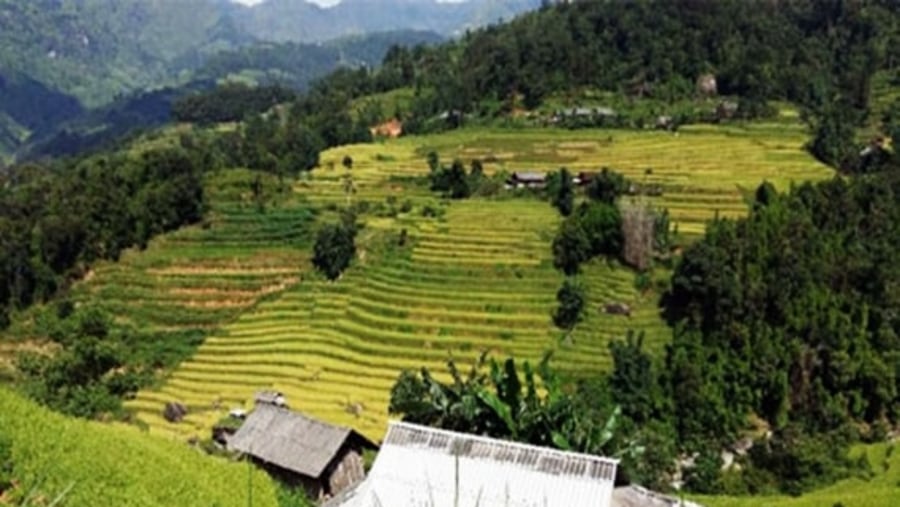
{"points": [[320, 2]]}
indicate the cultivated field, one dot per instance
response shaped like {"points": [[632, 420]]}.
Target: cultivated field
{"points": [[90, 463], [704, 170], [473, 275]]}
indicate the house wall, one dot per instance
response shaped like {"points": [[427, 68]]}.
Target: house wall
{"points": [[346, 471]]}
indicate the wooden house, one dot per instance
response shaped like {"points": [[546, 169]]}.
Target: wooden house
{"points": [[391, 129], [300, 451], [526, 179]]}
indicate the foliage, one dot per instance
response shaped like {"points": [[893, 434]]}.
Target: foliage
{"points": [[571, 246], [607, 186], [564, 197], [634, 382], [292, 497], [506, 404], [452, 181], [335, 248], [797, 461], [595, 229], [791, 314], [571, 299], [229, 102], [53, 222]]}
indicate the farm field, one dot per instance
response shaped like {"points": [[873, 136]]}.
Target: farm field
{"points": [[480, 279], [703, 170], [473, 276], [199, 277], [91, 464]]}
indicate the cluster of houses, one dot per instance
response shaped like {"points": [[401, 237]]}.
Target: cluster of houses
{"points": [[538, 180], [423, 466]]}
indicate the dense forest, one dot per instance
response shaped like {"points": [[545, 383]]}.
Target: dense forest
{"points": [[819, 55]]}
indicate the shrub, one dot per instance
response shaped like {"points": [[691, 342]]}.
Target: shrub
{"points": [[571, 301], [334, 249], [564, 198], [571, 246]]}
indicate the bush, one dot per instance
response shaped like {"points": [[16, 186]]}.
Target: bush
{"points": [[334, 249], [571, 246], [571, 303], [799, 461]]}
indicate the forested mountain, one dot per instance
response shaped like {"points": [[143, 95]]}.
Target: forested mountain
{"points": [[59, 57], [95, 50], [68, 130], [297, 20]]}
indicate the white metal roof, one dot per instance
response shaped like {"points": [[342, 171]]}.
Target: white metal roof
{"points": [[426, 467]]}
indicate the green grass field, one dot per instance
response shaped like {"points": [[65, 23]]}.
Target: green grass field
{"points": [[99, 465]]}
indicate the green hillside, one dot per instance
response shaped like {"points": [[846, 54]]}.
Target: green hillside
{"points": [[98, 465], [473, 275], [883, 490]]}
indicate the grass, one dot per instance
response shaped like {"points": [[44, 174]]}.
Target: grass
{"points": [[881, 491], [97, 465]]}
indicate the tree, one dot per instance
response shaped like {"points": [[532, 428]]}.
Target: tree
{"points": [[564, 199], [607, 186], [434, 161], [571, 301], [634, 382], [504, 403], [571, 246], [602, 224], [458, 182], [334, 249]]}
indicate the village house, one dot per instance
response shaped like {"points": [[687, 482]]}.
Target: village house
{"points": [[300, 451], [418, 465], [391, 129], [527, 179]]}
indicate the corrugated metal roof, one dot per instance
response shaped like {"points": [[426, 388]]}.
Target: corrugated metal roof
{"points": [[289, 440], [529, 176], [427, 467]]}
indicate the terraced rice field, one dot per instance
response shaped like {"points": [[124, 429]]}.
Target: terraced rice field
{"points": [[474, 275], [200, 277], [704, 170], [480, 279]]}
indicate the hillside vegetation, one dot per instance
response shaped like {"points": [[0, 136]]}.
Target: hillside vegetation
{"points": [[477, 276], [94, 464], [721, 292]]}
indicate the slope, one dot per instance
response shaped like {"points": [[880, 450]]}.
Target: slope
{"points": [[883, 490], [303, 21], [98, 465], [470, 276]]}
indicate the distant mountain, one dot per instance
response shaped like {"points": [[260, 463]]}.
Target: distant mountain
{"points": [[292, 65], [301, 21], [59, 58], [97, 49]]}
